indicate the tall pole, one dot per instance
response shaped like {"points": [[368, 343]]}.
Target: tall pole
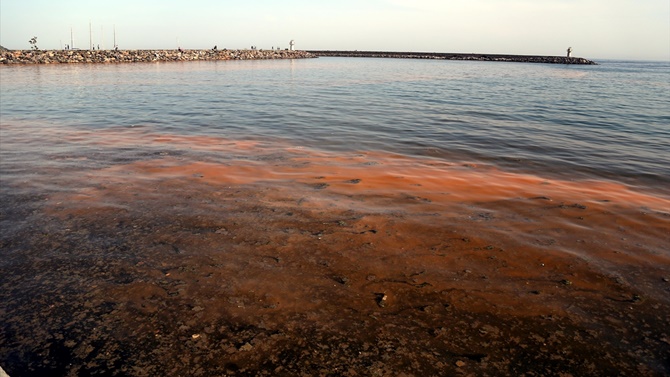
{"points": [[102, 39], [71, 39], [90, 36], [115, 37]]}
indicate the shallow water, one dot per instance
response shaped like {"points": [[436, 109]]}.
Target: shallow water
{"points": [[343, 216]]}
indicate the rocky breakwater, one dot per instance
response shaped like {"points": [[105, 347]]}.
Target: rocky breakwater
{"points": [[139, 56], [454, 56]]}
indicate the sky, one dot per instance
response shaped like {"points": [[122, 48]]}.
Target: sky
{"points": [[595, 29]]}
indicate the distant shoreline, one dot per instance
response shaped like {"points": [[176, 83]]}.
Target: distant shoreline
{"points": [[142, 56], [457, 56]]}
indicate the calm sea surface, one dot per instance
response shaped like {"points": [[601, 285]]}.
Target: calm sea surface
{"points": [[610, 121], [241, 217]]}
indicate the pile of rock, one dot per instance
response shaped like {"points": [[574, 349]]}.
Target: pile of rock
{"points": [[453, 56], [136, 56]]}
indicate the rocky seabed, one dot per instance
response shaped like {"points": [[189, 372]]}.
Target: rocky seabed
{"points": [[453, 56], [139, 56]]}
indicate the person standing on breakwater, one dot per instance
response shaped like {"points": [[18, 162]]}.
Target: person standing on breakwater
{"points": [[569, 51]]}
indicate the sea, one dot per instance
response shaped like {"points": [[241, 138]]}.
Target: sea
{"points": [[376, 216], [609, 121]]}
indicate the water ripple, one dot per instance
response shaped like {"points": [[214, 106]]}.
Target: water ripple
{"points": [[610, 120]]}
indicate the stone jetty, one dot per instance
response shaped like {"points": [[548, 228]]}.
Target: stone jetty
{"points": [[454, 56], [142, 56]]}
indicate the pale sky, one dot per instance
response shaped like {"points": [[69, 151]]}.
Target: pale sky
{"points": [[595, 29]]}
